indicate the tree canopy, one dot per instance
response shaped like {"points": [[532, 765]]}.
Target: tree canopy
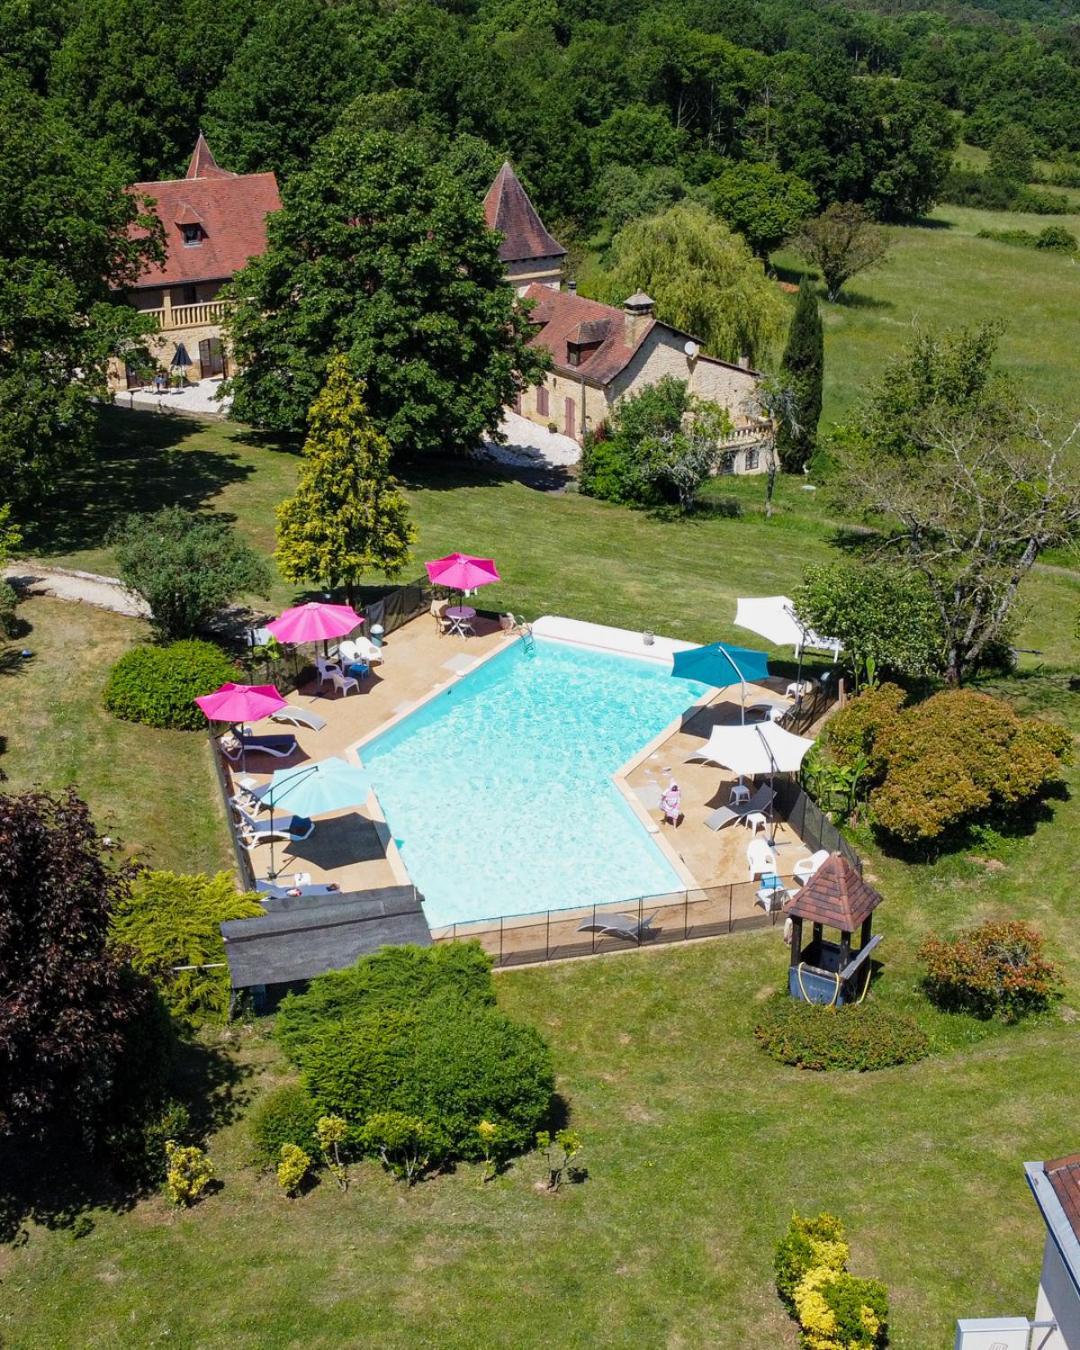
{"points": [[66, 247], [381, 253], [703, 278]]}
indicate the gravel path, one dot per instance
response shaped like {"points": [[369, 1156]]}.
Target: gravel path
{"points": [[529, 446], [86, 588]]}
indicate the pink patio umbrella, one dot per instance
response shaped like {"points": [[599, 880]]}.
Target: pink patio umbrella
{"points": [[460, 572], [238, 703], [314, 622]]}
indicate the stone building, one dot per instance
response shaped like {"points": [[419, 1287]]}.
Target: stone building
{"points": [[531, 255], [601, 353], [214, 221]]}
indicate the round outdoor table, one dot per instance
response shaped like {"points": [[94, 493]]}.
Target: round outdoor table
{"points": [[460, 617]]}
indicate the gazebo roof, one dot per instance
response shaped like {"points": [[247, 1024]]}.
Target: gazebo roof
{"points": [[836, 896]]}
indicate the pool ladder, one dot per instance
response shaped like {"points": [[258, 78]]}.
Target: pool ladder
{"points": [[528, 642]]}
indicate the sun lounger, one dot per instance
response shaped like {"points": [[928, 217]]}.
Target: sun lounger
{"points": [[269, 888], [293, 828], [299, 717], [281, 747], [618, 925], [725, 815]]}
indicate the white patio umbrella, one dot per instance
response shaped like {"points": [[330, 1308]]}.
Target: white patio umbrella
{"points": [[773, 618], [755, 750]]}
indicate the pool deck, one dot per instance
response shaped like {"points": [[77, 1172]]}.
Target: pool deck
{"points": [[354, 849]]}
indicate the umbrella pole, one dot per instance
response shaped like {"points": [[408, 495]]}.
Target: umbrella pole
{"points": [[271, 875]]}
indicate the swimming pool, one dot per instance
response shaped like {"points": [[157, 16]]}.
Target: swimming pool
{"points": [[498, 791]]}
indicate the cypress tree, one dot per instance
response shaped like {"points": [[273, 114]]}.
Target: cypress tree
{"points": [[348, 514], [802, 370]]}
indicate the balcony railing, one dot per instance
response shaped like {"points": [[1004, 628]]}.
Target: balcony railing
{"points": [[189, 316]]}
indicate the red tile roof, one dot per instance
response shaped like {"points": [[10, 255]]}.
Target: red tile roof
{"points": [[836, 896], [231, 209], [1064, 1175], [507, 209], [567, 317]]}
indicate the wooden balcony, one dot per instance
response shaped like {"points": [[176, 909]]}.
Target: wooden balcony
{"points": [[207, 313]]}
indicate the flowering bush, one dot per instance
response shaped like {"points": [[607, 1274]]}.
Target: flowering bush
{"points": [[189, 1172], [835, 1309], [994, 970], [863, 1036]]}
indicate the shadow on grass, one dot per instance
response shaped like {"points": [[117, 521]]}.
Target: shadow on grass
{"points": [[55, 1182], [445, 475], [857, 300], [137, 468]]}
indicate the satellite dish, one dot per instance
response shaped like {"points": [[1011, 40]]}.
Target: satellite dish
{"points": [[691, 349]]}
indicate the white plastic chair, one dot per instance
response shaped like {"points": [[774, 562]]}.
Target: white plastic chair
{"points": [[805, 868], [327, 669], [342, 681], [760, 858]]}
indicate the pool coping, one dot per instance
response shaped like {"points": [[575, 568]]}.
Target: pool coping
{"points": [[548, 627]]}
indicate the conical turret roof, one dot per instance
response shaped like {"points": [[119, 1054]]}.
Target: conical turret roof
{"points": [[507, 208]]}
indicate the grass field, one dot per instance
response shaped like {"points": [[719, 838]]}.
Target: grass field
{"points": [[153, 791], [698, 1148]]}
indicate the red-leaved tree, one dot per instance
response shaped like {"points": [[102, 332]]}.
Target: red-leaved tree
{"points": [[66, 998]]}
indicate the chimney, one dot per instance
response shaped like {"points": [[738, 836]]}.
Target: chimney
{"points": [[637, 313]]}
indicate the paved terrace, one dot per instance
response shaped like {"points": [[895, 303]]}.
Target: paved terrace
{"points": [[353, 848]]}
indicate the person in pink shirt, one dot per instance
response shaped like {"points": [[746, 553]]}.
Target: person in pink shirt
{"points": [[670, 803]]}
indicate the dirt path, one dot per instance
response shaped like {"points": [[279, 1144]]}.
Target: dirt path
{"points": [[86, 588]]}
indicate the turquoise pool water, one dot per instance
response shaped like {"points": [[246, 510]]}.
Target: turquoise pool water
{"points": [[499, 793]]}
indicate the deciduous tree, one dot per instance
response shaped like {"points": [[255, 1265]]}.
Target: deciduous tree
{"points": [[348, 514], [186, 567], [382, 254], [966, 484], [703, 278], [70, 238], [68, 998], [843, 241], [761, 203], [1011, 154]]}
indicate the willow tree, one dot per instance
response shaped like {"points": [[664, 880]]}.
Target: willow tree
{"points": [[704, 280], [348, 514]]}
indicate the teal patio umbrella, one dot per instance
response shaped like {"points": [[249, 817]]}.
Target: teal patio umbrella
{"points": [[315, 790], [721, 665]]}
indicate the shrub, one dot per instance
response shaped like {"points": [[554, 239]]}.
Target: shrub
{"points": [[332, 1132], [861, 1036], [136, 1148], [400, 1140], [806, 1244], [189, 1172], [994, 970], [395, 977], [9, 620], [992, 192], [560, 1149], [287, 1116], [293, 1169], [957, 755], [835, 1309], [169, 919], [1058, 239], [158, 685], [851, 734], [186, 567], [448, 1062]]}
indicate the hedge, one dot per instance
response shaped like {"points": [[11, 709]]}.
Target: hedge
{"points": [[415, 1031], [158, 685], [861, 1036]]}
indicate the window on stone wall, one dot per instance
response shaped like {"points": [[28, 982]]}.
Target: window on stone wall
{"points": [[542, 400]]}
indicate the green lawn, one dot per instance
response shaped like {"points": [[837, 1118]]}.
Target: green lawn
{"points": [[940, 274], [562, 554], [154, 791], [698, 1148]]}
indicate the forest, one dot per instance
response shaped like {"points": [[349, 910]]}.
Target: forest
{"points": [[607, 109]]}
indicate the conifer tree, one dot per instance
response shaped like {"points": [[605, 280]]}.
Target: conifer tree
{"points": [[802, 370], [348, 514]]}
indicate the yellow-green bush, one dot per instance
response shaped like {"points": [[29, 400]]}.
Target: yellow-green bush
{"points": [[189, 1172], [293, 1168], [835, 1309]]}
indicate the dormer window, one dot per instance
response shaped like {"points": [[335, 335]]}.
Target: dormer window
{"points": [[192, 235]]}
